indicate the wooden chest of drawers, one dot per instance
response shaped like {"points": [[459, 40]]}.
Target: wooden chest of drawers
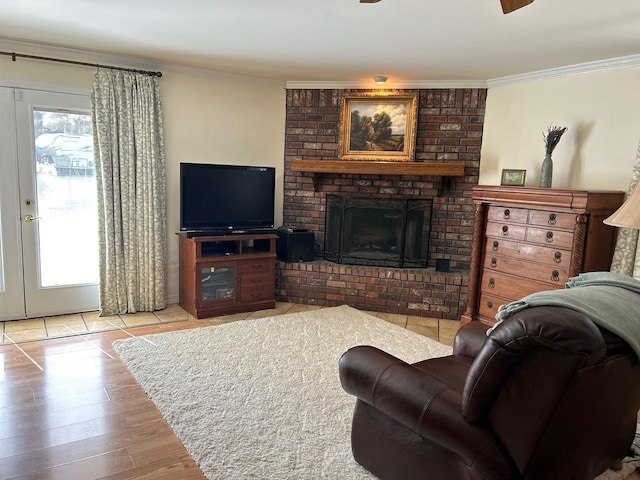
{"points": [[527, 240]]}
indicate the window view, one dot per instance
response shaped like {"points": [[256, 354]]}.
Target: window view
{"points": [[66, 198]]}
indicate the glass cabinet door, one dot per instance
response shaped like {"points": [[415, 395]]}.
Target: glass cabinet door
{"points": [[217, 282]]}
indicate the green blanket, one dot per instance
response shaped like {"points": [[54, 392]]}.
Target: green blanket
{"points": [[611, 300]]}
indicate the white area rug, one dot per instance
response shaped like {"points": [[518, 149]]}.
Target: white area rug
{"points": [[262, 398]]}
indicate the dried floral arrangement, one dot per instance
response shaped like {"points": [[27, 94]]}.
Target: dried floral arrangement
{"points": [[552, 137]]}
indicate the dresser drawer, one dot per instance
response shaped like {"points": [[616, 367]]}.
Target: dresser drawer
{"points": [[538, 253], [257, 293], [503, 230], [257, 266], [552, 219], [511, 287], [489, 305], [506, 214], [256, 279], [527, 267], [556, 238]]}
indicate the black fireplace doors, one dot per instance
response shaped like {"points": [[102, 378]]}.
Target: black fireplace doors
{"points": [[377, 231]]}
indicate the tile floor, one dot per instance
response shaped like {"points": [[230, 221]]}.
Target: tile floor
{"points": [[17, 331]]}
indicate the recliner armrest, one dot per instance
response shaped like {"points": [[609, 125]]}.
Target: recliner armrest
{"points": [[416, 400], [389, 384], [469, 339], [362, 367]]}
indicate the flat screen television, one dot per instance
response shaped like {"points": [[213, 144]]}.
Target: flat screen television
{"points": [[226, 198]]}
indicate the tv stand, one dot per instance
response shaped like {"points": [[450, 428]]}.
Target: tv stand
{"points": [[227, 273]]}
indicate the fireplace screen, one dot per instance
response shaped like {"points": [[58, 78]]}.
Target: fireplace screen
{"points": [[377, 231]]}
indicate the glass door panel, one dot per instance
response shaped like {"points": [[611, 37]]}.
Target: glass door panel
{"points": [[217, 282], [58, 203], [66, 199]]}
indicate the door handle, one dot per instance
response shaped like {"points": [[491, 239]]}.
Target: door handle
{"points": [[30, 218]]}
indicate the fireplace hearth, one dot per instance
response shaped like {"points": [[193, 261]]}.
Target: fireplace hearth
{"points": [[377, 231]]}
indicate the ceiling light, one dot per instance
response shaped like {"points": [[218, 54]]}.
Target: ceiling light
{"points": [[380, 79]]}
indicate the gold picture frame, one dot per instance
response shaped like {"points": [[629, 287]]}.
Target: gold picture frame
{"points": [[378, 126], [514, 178]]}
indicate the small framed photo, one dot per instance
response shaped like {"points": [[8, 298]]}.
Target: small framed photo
{"points": [[514, 178]]}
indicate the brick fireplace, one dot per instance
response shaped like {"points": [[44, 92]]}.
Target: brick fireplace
{"points": [[449, 129]]}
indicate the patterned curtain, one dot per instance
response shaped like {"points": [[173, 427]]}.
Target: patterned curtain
{"points": [[626, 258], [131, 179]]}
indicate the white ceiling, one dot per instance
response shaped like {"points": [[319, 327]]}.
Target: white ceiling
{"points": [[337, 40]]}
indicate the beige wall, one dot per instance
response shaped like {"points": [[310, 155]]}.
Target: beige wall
{"points": [[208, 117], [601, 110], [218, 118]]}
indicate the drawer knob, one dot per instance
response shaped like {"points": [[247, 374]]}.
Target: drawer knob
{"points": [[555, 275], [492, 282], [557, 257], [495, 246], [552, 219], [505, 230], [549, 237], [494, 262], [507, 214], [490, 304]]}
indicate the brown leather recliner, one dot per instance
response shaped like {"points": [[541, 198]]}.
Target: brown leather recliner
{"points": [[548, 395]]}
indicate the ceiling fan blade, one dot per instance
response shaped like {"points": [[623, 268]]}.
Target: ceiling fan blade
{"points": [[509, 6]]}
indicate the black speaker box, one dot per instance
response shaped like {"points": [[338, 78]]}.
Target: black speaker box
{"points": [[294, 246]]}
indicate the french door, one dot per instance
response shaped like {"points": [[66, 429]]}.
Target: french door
{"points": [[48, 205]]}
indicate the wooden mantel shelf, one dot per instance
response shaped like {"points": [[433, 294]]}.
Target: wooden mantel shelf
{"points": [[365, 167]]}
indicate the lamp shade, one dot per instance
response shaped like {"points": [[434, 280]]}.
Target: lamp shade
{"points": [[628, 215]]}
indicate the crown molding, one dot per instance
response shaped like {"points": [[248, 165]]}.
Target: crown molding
{"points": [[391, 84], [588, 67]]}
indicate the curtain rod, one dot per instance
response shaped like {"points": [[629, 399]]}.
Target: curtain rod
{"points": [[14, 55]]}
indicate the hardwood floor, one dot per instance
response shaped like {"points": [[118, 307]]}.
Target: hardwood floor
{"points": [[70, 409]]}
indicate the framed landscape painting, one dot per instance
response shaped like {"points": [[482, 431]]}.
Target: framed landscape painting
{"points": [[376, 126]]}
